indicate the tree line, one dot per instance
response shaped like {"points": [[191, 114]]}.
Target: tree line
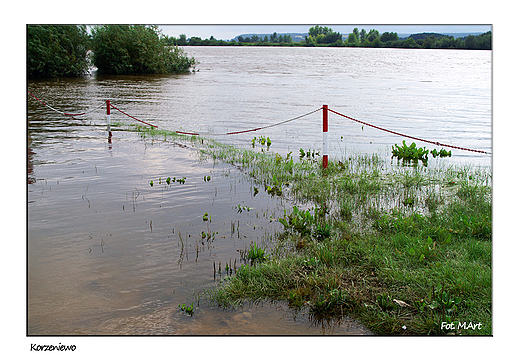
{"points": [[324, 36], [58, 51], [70, 50]]}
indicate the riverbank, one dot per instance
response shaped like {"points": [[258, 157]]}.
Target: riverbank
{"points": [[405, 249]]}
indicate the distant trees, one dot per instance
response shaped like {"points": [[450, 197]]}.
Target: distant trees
{"points": [[57, 51], [273, 38], [424, 40], [323, 35], [389, 37], [352, 39]]}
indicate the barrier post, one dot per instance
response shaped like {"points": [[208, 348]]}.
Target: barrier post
{"points": [[108, 115], [325, 136]]}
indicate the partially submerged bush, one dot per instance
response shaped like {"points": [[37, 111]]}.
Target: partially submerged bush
{"points": [[136, 49]]}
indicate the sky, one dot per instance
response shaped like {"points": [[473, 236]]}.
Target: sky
{"points": [[227, 32]]}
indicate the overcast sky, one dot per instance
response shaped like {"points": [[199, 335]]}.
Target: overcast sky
{"points": [[227, 32]]}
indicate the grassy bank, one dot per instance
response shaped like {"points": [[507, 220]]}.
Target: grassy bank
{"points": [[405, 249]]}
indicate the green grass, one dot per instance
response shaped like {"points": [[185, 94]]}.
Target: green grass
{"points": [[402, 248]]}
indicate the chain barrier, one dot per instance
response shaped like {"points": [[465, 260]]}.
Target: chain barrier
{"points": [[128, 115], [270, 126], [67, 114], [409, 136], [254, 129]]}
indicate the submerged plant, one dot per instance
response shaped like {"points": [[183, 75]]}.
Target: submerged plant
{"points": [[207, 218], [256, 254], [410, 153], [241, 208], [442, 153], [169, 180], [263, 141], [310, 154], [187, 309]]}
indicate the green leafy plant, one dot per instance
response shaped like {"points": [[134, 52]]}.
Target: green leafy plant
{"points": [[442, 153], [441, 302], [256, 254], [169, 181], [187, 309], [423, 250], [263, 141], [241, 208], [275, 188], [410, 153], [309, 154], [306, 224], [57, 51], [299, 221]]}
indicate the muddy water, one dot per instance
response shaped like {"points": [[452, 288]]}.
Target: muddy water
{"points": [[110, 254]]}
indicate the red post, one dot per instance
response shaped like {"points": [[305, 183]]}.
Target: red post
{"points": [[108, 115], [325, 136]]}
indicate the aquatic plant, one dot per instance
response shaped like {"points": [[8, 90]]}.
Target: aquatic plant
{"points": [[207, 218], [256, 254], [169, 180], [187, 309], [241, 208], [442, 153], [310, 154], [305, 223], [410, 153], [263, 141]]}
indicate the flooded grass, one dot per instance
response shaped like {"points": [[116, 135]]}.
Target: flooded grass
{"points": [[405, 249]]}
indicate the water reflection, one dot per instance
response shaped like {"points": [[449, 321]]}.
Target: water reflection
{"points": [[30, 166], [109, 140]]}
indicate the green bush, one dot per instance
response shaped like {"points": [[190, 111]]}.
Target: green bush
{"points": [[136, 49], [57, 51]]}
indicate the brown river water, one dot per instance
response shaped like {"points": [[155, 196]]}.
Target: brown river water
{"points": [[110, 255]]}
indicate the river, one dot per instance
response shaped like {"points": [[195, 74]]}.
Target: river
{"points": [[110, 254]]}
